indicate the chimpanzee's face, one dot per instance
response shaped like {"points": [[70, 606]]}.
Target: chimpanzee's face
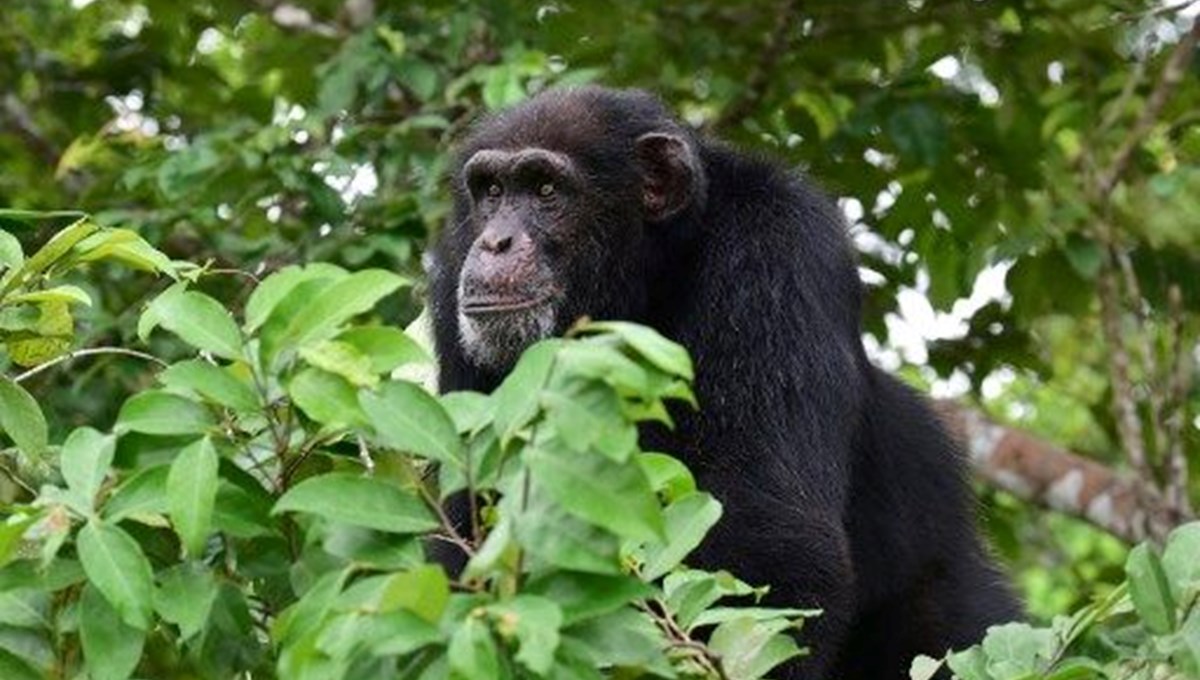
{"points": [[511, 288], [550, 244]]}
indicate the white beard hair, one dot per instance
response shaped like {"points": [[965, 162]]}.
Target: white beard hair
{"points": [[496, 341]]}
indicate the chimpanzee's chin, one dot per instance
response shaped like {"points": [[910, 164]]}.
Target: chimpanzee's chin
{"points": [[496, 341]]}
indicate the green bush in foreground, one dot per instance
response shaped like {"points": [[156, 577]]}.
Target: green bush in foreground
{"points": [[1147, 628], [262, 509]]}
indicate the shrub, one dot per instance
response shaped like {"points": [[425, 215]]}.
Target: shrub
{"points": [[263, 507]]}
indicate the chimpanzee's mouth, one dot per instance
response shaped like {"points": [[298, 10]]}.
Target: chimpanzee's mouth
{"points": [[500, 305]]}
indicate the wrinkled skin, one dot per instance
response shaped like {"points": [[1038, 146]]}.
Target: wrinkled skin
{"points": [[840, 489]]}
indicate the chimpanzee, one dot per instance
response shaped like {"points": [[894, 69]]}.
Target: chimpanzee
{"points": [[840, 489]]}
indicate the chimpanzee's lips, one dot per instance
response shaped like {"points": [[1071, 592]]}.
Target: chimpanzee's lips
{"points": [[501, 305]]}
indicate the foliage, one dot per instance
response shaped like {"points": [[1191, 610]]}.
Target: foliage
{"points": [[963, 140], [1147, 627], [263, 507]]}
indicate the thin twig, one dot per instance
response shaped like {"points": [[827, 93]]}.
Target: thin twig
{"points": [[1145, 350], [1172, 74], [1122, 101], [1171, 8], [234, 271], [678, 637], [364, 454], [451, 534], [20, 121], [472, 502], [1179, 383], [1129, 425], [91, 351]]}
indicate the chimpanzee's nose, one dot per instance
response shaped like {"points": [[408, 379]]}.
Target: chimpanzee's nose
{"points": [[497, 244]]}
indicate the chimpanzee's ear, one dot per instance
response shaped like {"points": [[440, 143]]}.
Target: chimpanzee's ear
{"points": [[672, 177]]}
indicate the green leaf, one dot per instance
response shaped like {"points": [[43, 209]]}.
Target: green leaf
{"points": [[924, 668], [919, 132], [342, 359], [408, 418], [667, 475], [21, 419], [625, 638], [25, 608], [690, 591], [616, 496], [155, 412], [749, 649], [583, 596], [584, 414], [322, 317], [277, 287], [969, 664], [307, 613], [1076, 669], [1181, 560], [651, 345], [111, 648], [55, 248], [126, 246], [326, 398], [199, 378], [199, 321], [502, 86], [23, 319], [472, 652], [1187, 654], [1149, 590], [603, 362], [376, 504], [84, 461], [185, 597], [191, 493], [423, 590], [242, 512], [722, 614], [11, 255], [115, 564], [534, 621], [819, 107], [67, 294], [49, 338], [557, 538], [1085, 255], [145, 493], [400, 632], [13, 667], [387, 348], [470, 411], [687, 522], [1015, 650], [518, 397], [151, 317]]}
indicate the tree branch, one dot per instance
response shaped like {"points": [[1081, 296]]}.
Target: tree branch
{"points": [[1124, 402], [295, 17], [18, 119], [1172, 74], [93, 351], [1039, 472], [1179, 384]]}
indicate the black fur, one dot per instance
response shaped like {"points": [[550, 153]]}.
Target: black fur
{"points": [[840, 488]]}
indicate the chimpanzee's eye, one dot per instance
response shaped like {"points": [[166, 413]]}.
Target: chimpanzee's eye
{"points": [[493, 190], [546, 190]]}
